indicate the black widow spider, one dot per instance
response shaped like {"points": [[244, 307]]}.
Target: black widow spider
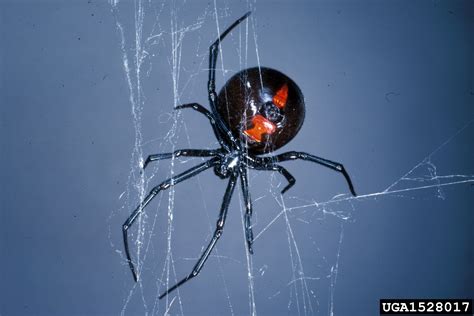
{"points": [[257, 111]]}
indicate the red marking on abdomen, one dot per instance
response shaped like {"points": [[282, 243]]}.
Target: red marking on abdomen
{"points": [[260, 126], [281, 96]]}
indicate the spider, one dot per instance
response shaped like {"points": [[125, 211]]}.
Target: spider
{"points": [[257, 111]]}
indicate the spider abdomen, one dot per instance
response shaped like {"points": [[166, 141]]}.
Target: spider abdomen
{"points": [[263, 107]]}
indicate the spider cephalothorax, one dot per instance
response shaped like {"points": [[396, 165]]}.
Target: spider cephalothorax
{"points": [[228, 163], [257, 111]]}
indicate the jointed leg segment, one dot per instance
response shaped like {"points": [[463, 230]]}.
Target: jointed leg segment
{"points": [[260, 165], [163, 186], [181, 152], [217, 234], [248, 208], [292, 155], [211, 84], [210, 116]]}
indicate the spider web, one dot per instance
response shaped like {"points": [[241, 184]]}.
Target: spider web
{"points": [[155, 36]]}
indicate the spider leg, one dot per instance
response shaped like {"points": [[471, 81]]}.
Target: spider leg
{"points": [[261, 165], [292, 155], [210, 116], [291, 180], [163, 186], [211, 84], [248, 207], [217, 234], [181, 152]]}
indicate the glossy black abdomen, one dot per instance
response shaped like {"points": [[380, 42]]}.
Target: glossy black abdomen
{"points": [[262, 107]]}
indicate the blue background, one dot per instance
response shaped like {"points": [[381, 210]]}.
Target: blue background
{"points": [[385, 83]]}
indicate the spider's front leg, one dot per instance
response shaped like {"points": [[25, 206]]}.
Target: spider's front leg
{"points": [[211, 83]]}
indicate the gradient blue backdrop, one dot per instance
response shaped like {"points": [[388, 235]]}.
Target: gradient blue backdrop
{"points": [[385, 84]]}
